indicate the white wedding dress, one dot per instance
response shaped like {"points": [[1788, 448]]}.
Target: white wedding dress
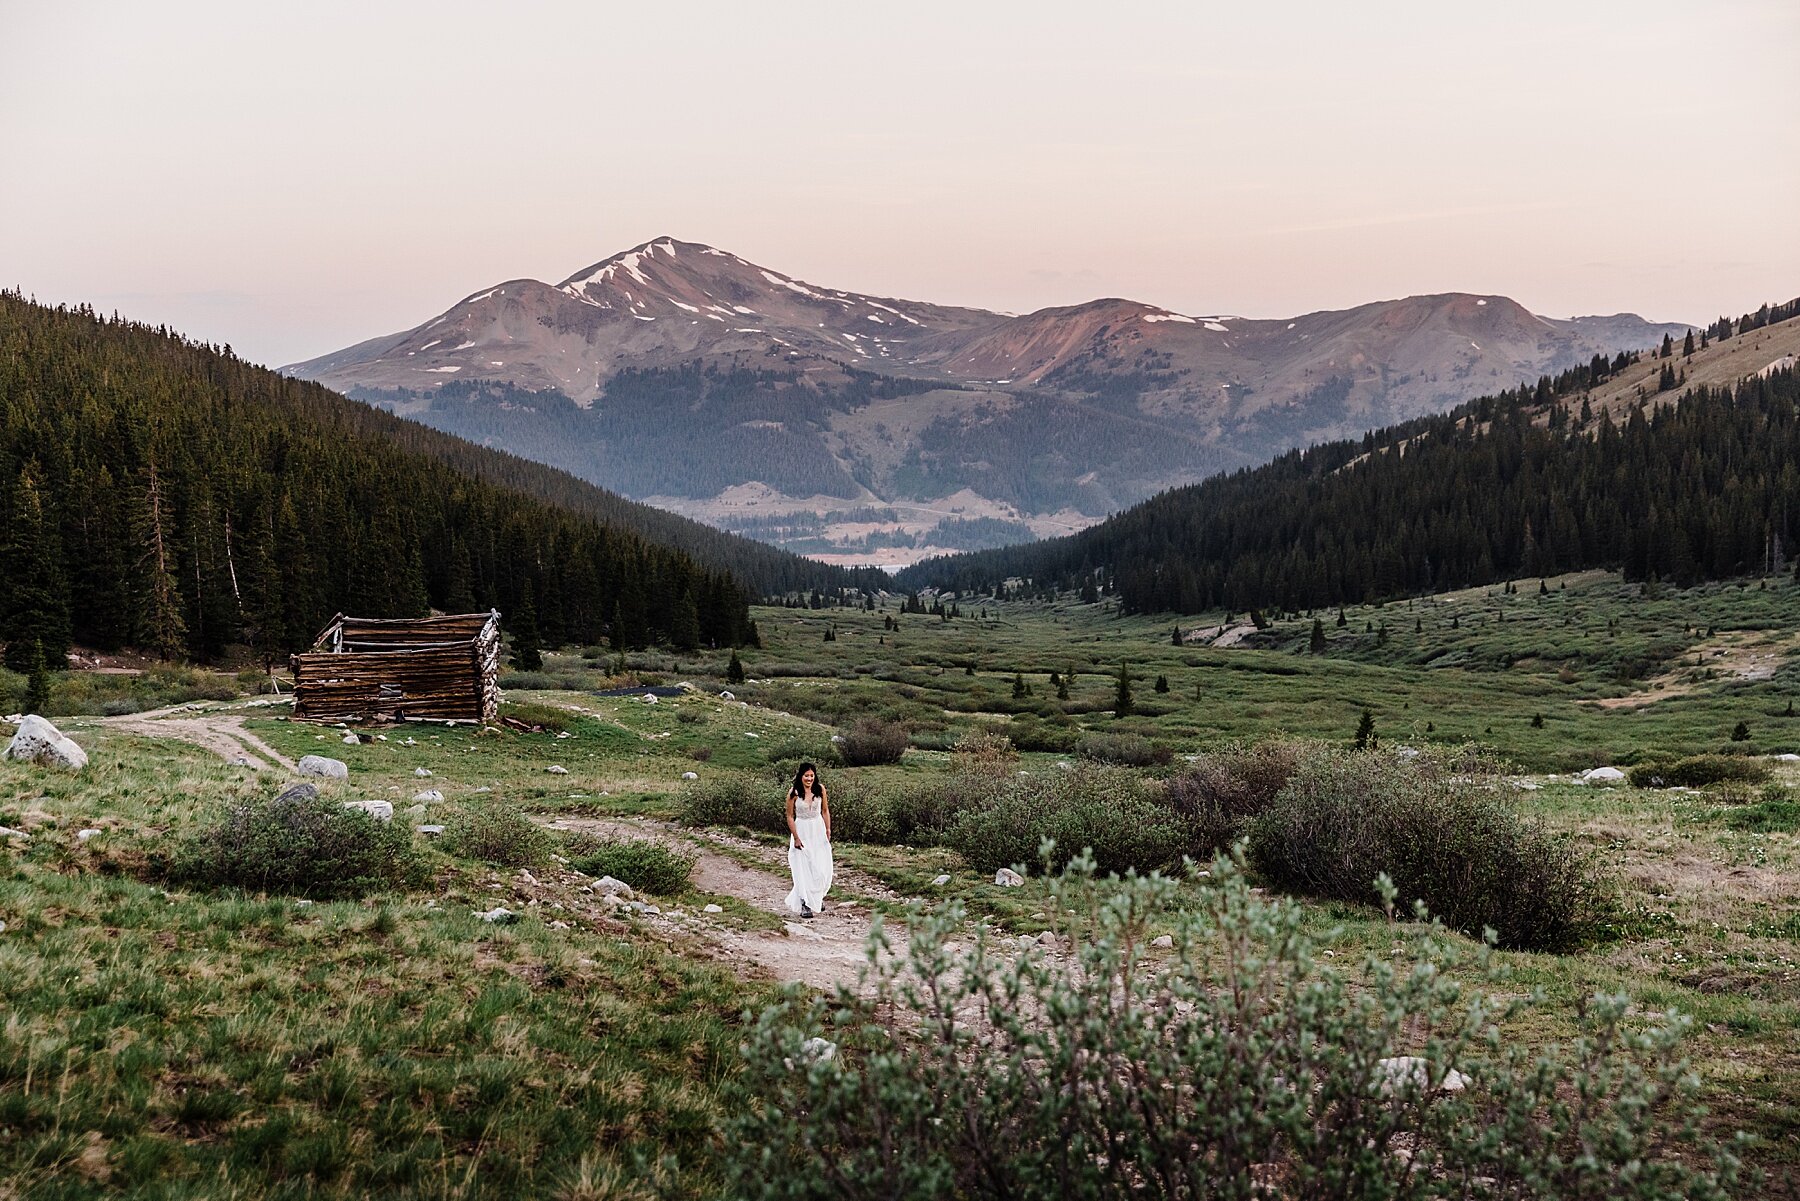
{"points": [[811, 866]]}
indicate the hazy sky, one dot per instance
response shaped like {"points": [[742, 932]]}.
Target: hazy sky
{"points": [[292, 178]]}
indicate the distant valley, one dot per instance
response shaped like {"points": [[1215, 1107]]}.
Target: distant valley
{"points": [[864, 429]]}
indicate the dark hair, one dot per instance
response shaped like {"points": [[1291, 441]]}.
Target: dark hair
{"points": [[799, 789]]}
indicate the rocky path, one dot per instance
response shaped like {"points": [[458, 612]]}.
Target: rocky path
{"points": [[824, 952], [222, 733]]}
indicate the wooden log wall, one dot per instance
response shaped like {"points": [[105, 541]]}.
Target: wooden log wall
{"points": [[430, 668]]}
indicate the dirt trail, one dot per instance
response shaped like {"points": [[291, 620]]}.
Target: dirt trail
{"points": [[823, 952], [221, 733]]}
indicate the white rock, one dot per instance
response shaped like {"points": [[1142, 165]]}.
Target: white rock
{"points": [[9, 832], [381, 811], [715, 909], [37, 741], [940, 881], [352, 740], [381, 738], [1047, 938], [430, 831], [728, 695], [837, 738], [319, 765], [690, 775], [645, 907], [1527, 785], [818, 1050], [1404, 1070], [428, 796], [650, 698], [1006, 877], [84, 835], [484, 788], [752, 735], [557, 769], [613, 887], [1603, 775], [500, 917], [410, 742], [424, 773], [1790, 757], [1163, 940], [1065, 765], [559, 925]]}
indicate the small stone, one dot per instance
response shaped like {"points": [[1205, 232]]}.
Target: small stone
{"points": [[499, 917], [612, 886], [650, 698], [352, 740], [424, 773], [381, 738], [319, 765], [429, 796], [940, 881], [690, 775], [1047, 938], [1164, 941], [557, 769], [84, 835], [837, 738], [302, 903], [482, 789], [9, 832], [430, 831], [728, 695], [1006, 877], [559, 925], [752, 734], [715, 909], [381, 811], [1404, 1070]]}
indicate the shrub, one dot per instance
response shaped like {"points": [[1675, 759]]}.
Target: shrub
{"points": [[1125, 750], [1003, 821], [498, 834], [1697, 771], [1031, 734], [644, 864], [1447, 840], [736, 799], [959, 1072], [1218, 795], [303, 846], [982, 751], [871, 741]]}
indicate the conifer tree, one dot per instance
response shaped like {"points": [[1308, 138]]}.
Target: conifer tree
{"points": [[1316, 644], [526, 654], [1162, 683], [1122, 702], [734, 670], [684, 622], [1020, 689], [1365, 732], [37, 680], [35, 591]]}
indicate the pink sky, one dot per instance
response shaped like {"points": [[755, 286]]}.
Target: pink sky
{"points": [[294, 180]]}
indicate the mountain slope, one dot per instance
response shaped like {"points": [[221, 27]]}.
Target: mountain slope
{"points": [[687, 375], [1677, 467]]}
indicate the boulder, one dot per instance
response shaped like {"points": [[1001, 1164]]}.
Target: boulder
{"points": [[1602, 775], [40, 742], [612, 887], [1165, 941], [1788, 757], [690, 775], [557, 769], [714, 909], [499, 917], [84, 835], [650, 698], [352, 740], [429, 796], [940, 881], [381, 811], [728, 695], [297, 792], [424, 773], [430, 831], [329, 769], [1006, 877]]}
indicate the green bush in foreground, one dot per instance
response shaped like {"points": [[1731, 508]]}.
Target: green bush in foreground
{"points": [[872, 741], [1235, 1066], [645, 865], [497, 834], [299, 845], [1444, 837], [999, 821]]}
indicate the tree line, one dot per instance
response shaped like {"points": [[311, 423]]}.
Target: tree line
{"points": [[162, 494]]}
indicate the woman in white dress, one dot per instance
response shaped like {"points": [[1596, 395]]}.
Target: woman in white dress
{"points": [[809, 847]]}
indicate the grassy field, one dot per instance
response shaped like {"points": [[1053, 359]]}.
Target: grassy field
{"points": [[162, 1041]]}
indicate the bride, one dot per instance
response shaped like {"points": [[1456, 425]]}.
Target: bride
{"points": [[809, 849]]}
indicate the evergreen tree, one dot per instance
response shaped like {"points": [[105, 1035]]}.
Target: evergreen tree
{"points": [[1365, 732], [1062, 689], [37, 680], [1019, 688], [1175, 636], [1740, 732], [1316, 644], [1342, 621], [1122, 702], [734, 670], [526, 654], [36, 597], [1687, 347], [1162, 683], [684, 623]]}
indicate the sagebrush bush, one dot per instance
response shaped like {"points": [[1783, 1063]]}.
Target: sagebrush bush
{"points": [[737, 799], [1697, 771], [1237, 1066], [1449, 840], [496, 833], [1123, 750], [873, 741], [1002, 821], [1218, 795], [984, 751], [644, 864], [301, 846]]}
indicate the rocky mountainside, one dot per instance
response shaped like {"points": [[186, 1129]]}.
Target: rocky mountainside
{"points": [[878, 429]]}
